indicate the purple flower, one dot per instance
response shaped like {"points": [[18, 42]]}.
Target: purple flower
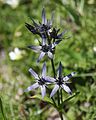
{"points": [[61, 81], [41, 82], [40, 28], [45, 49]]}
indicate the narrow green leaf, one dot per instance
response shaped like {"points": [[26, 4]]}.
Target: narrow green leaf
{"points": [[45, 99], [1, 109], [62, 104]]}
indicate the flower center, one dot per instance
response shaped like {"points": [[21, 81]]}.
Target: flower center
{"points": [[59, 81], [41, 81], [45, 48]]}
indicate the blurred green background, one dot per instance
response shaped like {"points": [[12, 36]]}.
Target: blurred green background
{"points": [[78, 53]]}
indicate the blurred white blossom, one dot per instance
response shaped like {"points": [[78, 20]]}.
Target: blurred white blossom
{"points": [[94, 48], [17, 54], [12, 3]]}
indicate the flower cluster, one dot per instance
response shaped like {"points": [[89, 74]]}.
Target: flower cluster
{"points": [[43, 81], [50, 38]]}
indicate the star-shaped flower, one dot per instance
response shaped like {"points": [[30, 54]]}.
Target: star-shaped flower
{"points": [[40, 28], [61, 81], [45, 49], [41, 82]]}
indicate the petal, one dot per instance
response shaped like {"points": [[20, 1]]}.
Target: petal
{"points": [[66, 88], [54, 90], [49, 79], [43, 41], [35, 85], [43, 90], [50, 55], [44, 70], [35, 24], [30, 28], [60, 35], [33, 73], [43, 17], [40, 56], [66, 78], [55, 43], [35, 48]]}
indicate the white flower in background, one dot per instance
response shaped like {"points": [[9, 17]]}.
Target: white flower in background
{"points": [[94, 48], [12, 3], [17, 54]]}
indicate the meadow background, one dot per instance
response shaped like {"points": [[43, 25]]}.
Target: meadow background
{"points": [[77, 53]]}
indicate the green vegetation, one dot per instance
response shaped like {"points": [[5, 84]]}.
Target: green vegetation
{"points": [[77, 53]]}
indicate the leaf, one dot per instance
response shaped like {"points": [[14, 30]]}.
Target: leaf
{"points": [[1, 109], [45, 99], [73, 14], [69, 98]]}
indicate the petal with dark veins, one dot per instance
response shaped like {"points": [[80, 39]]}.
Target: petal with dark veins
{"points": [[54, 90], [33, 73], [44, 70], [35, 48], [44, 21], [50, 55], [66, 88], [35, 85], [43, 90], [40, 56]]}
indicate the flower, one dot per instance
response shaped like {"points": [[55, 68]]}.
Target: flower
{"points": [[61, 81], [40, 28], [40, 81], [17, 54], [45, 49], [12, 3]]}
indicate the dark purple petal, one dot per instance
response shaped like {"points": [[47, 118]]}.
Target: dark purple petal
{"points": [[60, 35], [30, 27], [50, 55], [41, 56], [35, 24], [66, 88], [44, 70], [49, 79], [43, 90], [35, 85], [43, 17], [54, 90], [33, 73], [55, 43], [35, 48], [66, 78]]}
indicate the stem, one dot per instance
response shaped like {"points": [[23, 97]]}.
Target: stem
{"points": [[61, 96], [58, 96], [53, 67], [61, 116], [54, 102]]}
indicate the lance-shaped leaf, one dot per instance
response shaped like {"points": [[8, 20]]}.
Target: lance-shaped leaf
{"points": [[67, 99]]}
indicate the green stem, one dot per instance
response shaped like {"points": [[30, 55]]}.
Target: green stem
{"points": [[61, 116], [61, 96], [53, 67]]}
